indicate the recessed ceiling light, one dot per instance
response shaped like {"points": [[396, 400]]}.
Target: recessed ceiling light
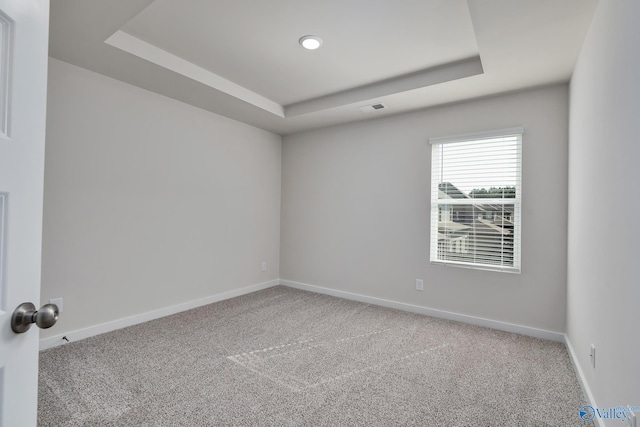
{"points": [[310, 42]]}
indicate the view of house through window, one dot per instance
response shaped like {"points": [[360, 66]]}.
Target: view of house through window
{"points": [[475, 200]]}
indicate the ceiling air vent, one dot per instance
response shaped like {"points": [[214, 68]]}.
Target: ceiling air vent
{"points": [[372, 107]]}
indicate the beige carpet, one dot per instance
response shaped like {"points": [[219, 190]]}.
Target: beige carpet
{"points": [[286, 357]]}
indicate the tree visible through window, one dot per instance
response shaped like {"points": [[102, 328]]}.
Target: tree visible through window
{"points": [[475, 200]]}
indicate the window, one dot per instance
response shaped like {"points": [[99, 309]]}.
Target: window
{"points": [[475, 200]]}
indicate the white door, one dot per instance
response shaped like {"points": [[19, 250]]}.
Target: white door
{"points": [[24, 39]]}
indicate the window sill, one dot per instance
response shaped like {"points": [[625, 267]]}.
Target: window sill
{"points": [[512, 270]]}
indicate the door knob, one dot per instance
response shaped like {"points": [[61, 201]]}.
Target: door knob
{"points": [[25, 314]]}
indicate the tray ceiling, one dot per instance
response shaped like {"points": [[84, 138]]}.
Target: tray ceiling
{"points": [[242, 59]]}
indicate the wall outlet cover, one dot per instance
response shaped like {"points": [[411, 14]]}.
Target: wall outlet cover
{"points": [[58, 302]]}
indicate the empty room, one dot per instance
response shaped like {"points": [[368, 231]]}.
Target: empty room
{"points": [[337, 213]]}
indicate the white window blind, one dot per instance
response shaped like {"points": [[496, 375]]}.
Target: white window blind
{"points": [[476, 198]]}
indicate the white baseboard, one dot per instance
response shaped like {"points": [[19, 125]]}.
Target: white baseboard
{"points": [[90, 331], [581, 378], [493, 324]]}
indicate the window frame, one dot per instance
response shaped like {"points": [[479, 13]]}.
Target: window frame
{"points": [[436, 201]]}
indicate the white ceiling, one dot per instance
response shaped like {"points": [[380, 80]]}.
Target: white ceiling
{"points": [[241, 58]]}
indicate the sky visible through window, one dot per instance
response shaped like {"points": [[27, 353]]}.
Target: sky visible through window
{"points": [[480, 164]]}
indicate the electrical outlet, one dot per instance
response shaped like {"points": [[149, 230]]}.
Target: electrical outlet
{"points": [[58, 302], [419, 285], [264, 266], [592, 355]]}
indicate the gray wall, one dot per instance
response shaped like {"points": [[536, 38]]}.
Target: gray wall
{"points": [[355, 210], [604, 202], [150, 202]]}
